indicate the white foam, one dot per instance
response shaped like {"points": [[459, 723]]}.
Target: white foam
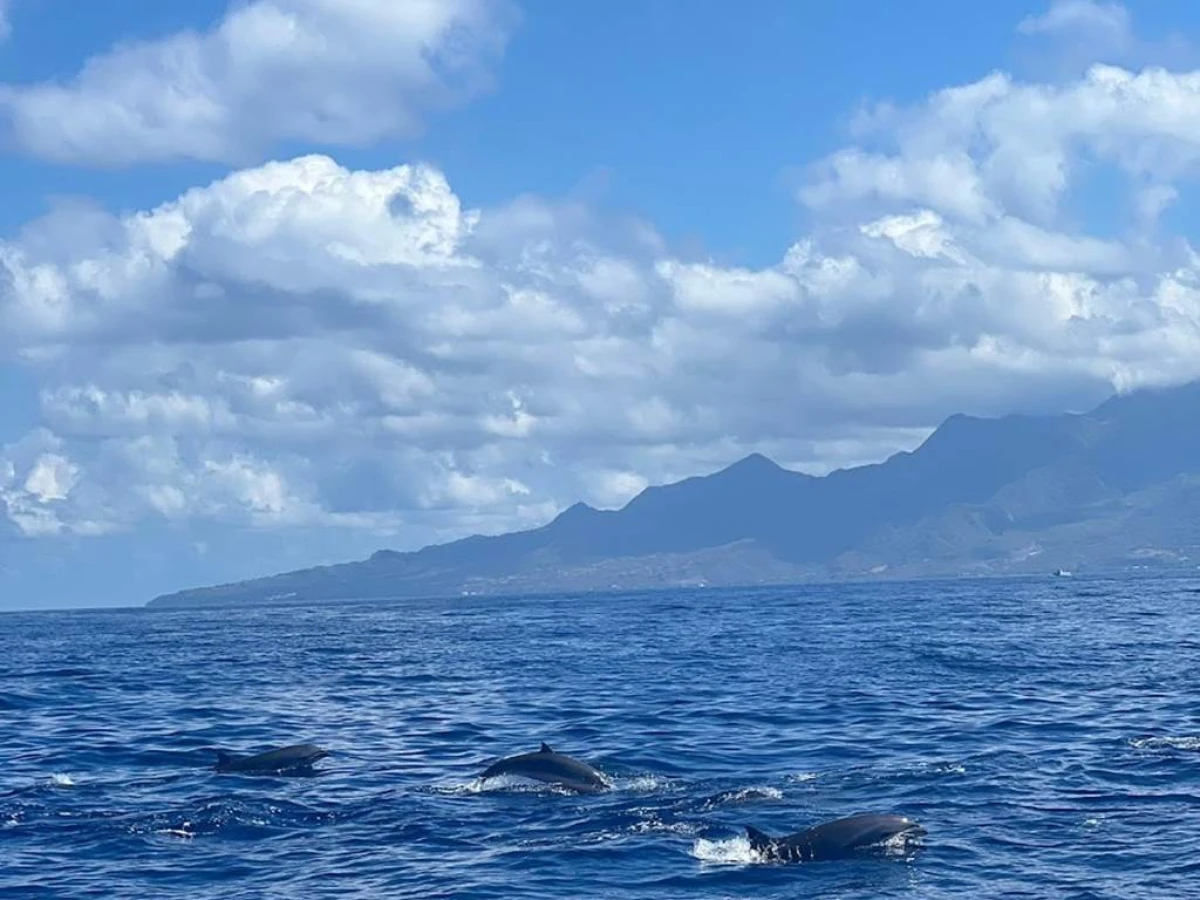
{"points": [[805, 777], [1168, 743], [511, 783], [181, 832], [755, 793], [640, 783], [508, 783], [654, 826], [950, 768], [733, 851], [60, 780], [898, 844], [649, 825]]}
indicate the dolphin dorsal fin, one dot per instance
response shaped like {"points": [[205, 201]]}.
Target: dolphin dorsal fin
{"points": [[546, 748], [758, 840]]}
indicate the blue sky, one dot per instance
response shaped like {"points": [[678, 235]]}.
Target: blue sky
{"points": [[278, 290]]}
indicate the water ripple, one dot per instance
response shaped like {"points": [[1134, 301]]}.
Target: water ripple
{"points": [[1045, 734]]}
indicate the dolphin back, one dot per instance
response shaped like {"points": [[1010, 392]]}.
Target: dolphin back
{"points": [[854, 832], [551, 767], [297, 756], [835, 839]]}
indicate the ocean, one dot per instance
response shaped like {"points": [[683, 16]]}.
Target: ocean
{"points": [[1043, 730]]}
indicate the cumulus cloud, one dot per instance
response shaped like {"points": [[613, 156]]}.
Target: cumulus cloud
{"points": [[329, 72], [999, 147], [304, 345], [301, 344]]}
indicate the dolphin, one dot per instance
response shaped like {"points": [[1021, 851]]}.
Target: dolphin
{"points": [[838, 839], [297, 759], [552, 767]]}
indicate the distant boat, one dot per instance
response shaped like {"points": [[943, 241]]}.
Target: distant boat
{"points": [[1062, 573]]}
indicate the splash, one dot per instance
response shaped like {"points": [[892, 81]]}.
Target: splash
{"points": [[732, 851]]}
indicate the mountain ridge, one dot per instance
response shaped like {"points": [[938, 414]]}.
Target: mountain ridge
{"points": [[978, 496]]}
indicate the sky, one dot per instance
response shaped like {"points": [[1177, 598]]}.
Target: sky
{"points": [[284, 282]]}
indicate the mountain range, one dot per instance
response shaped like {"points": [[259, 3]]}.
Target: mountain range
{"points": [[1112, 488]]}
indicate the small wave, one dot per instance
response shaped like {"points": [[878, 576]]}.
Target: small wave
{"points": [[902, 772], [1166, 743], [642, 783], [231, 816], [804, 777], [13, 700], [457, 789], [61, 780], [657, 826], [744, 795], [651, 825], [943, 768], [501, 784], [183, 831]]}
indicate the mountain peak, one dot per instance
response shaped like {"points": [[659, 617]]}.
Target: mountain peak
{"points": [[574, 511], [755, 462]]}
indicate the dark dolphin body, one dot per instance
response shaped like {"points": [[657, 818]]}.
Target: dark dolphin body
{"points": [[838, 839], [297, 759], [551, 767]]}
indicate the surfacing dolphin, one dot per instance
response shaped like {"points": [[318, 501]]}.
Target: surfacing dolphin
{"points": [[551, 767], [838, 839], [297, 759]]}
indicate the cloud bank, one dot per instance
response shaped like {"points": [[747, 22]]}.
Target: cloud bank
{"points": [[299, 344]]}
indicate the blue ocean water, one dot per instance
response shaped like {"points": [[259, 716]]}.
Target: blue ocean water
{"points": [[1043, 730]]}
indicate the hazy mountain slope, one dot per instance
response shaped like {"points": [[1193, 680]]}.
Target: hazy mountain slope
{"points": [[978, 494]]}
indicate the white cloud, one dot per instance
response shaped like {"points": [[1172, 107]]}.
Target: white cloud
{"points": [[1107, 21], [331, 72], [51, 478], [301, 345], [1071, 35], [1000, 148], [950, 182], [35, 477], [613, 489], [736, 293]]}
